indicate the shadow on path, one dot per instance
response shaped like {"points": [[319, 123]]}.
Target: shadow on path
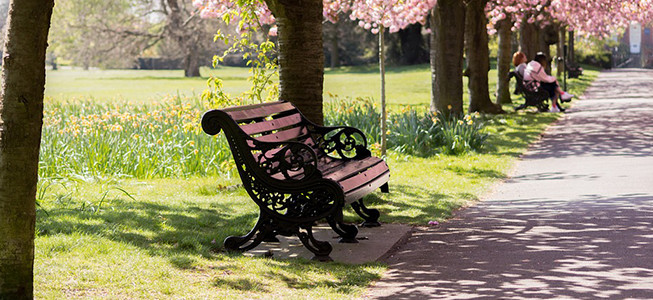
{"points": [[591, 248], [574, 221]]}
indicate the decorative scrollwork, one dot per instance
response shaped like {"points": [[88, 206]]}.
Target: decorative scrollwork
{"points": [[295, 161], [346, 142], [310, 205]]}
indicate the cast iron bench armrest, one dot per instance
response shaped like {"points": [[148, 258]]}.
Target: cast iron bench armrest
{"points": [[294, 160], [343, 141]]}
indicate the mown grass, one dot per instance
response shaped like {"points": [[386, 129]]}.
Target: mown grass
{"points": [[117, 238], [405, 85]]}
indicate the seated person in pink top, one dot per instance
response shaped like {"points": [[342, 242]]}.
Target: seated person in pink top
{"points": [[535, 72]]}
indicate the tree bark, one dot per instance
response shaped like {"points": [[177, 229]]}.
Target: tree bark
{"points": [[529, 39], [571, 56], [447, 44], [191, 63], [412, 45], [504, 60], [301, 56], [21, 119], [184, 38], [478, 58]]}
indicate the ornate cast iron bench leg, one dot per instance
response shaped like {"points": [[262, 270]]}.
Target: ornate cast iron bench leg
{"points": [[321, 249], [263, 229], [370, 215], [346, 232]]}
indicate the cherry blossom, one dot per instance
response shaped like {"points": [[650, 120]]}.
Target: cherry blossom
{"points": [[372, 14]]}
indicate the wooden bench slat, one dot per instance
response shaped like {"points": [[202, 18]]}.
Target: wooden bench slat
{"points": [[337, 172], [285, 135], [271, 125], [360, 192], [363, 178], [261, 111]]}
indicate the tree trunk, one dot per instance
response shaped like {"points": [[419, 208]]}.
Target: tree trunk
{"points": [[529, 39], [191, 63], [184, 39], [412, 45], [504, 60], [478, 58], [544, 48], [301, 57], [571, 56], [447, 44], [548, 37], [333, 44], [21, 119]]}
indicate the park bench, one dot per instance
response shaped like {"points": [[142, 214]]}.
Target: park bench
{"points": [[573, 70], [298, 173], [532, 96]]}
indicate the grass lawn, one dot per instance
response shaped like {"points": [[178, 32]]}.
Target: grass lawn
{"points": [[405, 85], [123, 238]]}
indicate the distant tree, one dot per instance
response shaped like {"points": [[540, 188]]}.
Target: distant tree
{"points": [[414, 49], [114, 33], [355, 45], [21, 119]]}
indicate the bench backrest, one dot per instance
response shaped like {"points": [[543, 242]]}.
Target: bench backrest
{"points": [[272, 138]]}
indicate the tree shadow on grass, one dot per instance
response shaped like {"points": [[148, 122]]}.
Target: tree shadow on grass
{"points": [[181, 232], [168, 230]]}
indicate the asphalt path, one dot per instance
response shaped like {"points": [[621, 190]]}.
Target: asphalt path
{"points": [[573, 221]]}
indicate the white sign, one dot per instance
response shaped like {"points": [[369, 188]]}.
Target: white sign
{"points": [[635, 37]]}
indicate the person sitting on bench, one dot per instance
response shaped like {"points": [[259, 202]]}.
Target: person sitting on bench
{"points": [[534, 73], [519, 61]]}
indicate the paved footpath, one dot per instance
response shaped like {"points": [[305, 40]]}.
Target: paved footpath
{"points": [[574, 221]]}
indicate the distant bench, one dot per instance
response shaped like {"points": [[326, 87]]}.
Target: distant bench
{"points": [[298, 173], [573, 70], [532, 96]]}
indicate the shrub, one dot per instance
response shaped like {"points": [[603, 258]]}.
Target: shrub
{"points": [[409, 132]]}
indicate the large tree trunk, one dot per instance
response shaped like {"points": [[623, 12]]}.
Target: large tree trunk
{"points": [[478, 58], [301, 57], [548, 37], [21, 118], [504, 59], [447, 44], [412, 45], [529, 39]]}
